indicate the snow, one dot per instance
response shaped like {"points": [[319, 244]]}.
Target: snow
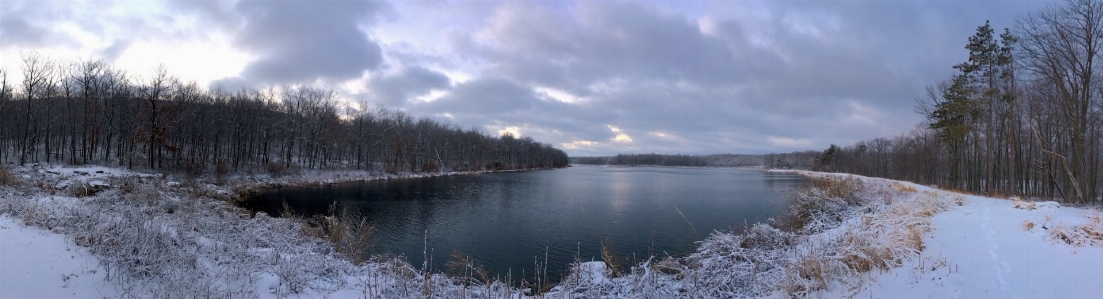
{"points": [[36, 263], [972, 247], [982, 250]]}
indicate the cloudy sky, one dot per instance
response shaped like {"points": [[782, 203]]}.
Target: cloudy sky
{"points": [[590, 77]]}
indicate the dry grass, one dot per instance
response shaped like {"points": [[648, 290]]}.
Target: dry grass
{"points": [[1089, 233], [610, 259], [903, 187], [881, 241], [1028, 225], [823, 204], [1025, 205], [349, 234], [6, 177]]}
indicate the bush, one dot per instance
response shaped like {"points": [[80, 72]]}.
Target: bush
{"points": [[348, 233], [823, 204]]}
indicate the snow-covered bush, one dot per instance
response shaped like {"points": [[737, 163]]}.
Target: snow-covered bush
{"points": [[824, 203]]}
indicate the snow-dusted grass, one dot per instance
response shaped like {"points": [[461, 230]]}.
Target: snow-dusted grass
{"points": [[842, 230]]}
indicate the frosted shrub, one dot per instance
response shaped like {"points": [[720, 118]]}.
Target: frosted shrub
{"points": [[824, 204]]}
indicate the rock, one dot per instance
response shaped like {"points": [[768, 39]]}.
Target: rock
{"points": [[62, 185]]}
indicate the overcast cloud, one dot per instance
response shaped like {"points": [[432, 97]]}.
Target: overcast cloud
{"points": [[591, 77]]}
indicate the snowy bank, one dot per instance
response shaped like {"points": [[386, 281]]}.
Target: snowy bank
{"points": [[142, 236], [75, 232]]}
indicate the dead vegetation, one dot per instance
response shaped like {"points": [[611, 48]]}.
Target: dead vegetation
{"points": [[350, 234], [823, 204], [903, 187], [6, 177], [879, 241], [1088, 233]]}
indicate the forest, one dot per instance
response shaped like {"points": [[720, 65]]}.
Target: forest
{"points": [[91, 112], [1022, 116]]}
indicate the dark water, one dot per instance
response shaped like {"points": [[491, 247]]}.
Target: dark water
{"points": [[506, 220]]}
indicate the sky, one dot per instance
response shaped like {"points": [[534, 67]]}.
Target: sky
{"points": [[589, 77]]}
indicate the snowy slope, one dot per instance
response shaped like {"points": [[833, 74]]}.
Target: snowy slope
{"points": [[983, 250]]}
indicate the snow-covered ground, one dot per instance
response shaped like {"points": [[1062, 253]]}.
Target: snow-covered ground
{"points": [[36, 263], [984, 249], [972, 247]]}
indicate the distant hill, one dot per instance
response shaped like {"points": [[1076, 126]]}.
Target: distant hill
{"points": [[721, 160], [794, 160]]}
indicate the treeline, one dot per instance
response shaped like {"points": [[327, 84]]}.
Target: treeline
{"points": [[733, 160], [794, 160], [643, 160], [90, 112], [1022, 116]]}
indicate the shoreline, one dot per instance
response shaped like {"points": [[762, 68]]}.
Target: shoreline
{"points": [[269, 247]]}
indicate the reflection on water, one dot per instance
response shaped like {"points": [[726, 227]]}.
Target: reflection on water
{"points": [[506, 220]]}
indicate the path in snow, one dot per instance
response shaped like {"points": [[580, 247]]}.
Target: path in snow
{"points": [[36, 263], [982, 250]]}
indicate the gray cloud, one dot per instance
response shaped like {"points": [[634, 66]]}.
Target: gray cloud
{"points": [[16, 31], [396, 89], [300, 41], [25, 23], [116, 49]]}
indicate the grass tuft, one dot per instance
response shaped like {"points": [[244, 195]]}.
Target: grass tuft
{"points": [[6, 177], [608, 256], [349, 234], [903, 187]]}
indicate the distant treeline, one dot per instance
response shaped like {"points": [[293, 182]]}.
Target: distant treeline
{"points": [[90, 112], [643, 160], [726, 160]]}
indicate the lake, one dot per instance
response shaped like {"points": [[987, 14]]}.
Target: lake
{"points": [[506, 220]]}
